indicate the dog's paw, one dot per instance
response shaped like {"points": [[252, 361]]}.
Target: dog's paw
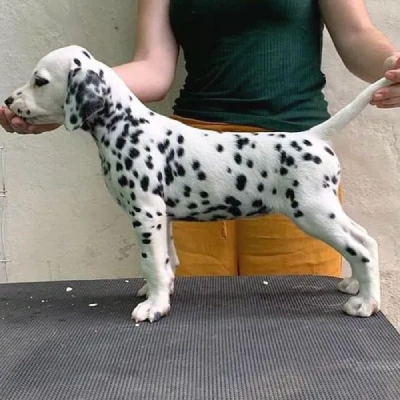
{"points": [[151, 310], [360, 306], [349, 286]]}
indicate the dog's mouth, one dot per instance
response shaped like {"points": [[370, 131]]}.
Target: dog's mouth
{"points": [[36, 118]]}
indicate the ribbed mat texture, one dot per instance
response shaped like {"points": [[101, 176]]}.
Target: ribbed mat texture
{"points": [[234, 338]]}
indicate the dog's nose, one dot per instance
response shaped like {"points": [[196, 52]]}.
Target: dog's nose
{"points": [[9, 101]]}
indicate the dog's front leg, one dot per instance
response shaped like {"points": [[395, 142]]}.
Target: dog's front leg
{"points": [[151, 233], [173, 262]]}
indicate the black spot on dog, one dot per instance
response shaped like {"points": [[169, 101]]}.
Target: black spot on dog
{"points": [[295, 183], [86, 54], [180, 152], [192, 206], [136, 224], [203, 195], [238, 158], [180, 139], [317, 160], [250, 163], [278, 147], [123, 181], [187, 191], [274, 191], [170, 203], [149, 162], [134, 153], [119, 167], [296, 146], [351, 251], [334, 180], [144, 183], [298, 214], [332, 216], [201, 176], [73, 119], [307, 157], [120, 143], [220, 148], [257, 203], [329, 151], [241, 142], [161, 148], [144, 255], [233, 201], [241, 181], [181, 171], [307, 142], [365, 260], [195, 165], [77, 62], [260, 187], [146, 241], [290, 194], [283, 171], [264, 174]]}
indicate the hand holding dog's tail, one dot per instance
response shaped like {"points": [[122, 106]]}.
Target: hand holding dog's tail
{"points": [[348, 113]]}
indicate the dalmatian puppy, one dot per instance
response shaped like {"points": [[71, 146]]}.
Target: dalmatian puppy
{"points": [[159, 170]]}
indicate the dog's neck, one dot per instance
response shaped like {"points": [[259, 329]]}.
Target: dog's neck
{"points": [[120, 104]]}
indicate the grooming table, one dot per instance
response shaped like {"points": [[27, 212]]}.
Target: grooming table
{"points": [[236, 338]]}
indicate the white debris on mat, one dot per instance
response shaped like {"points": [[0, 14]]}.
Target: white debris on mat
{"points": [[265, 283], [137, 324], [126, 281], [93, 305], [68, 289]]}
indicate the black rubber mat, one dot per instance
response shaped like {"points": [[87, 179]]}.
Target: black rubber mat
{"points": [[225, 339]]}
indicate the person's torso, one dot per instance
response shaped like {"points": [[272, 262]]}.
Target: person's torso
{"points": [[254, 62]]}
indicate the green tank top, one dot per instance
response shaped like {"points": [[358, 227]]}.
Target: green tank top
{"points": [[251, 62]]}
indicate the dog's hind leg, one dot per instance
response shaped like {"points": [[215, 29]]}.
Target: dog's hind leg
{"points": [[336, 229], [173, 262], [151, 231]]}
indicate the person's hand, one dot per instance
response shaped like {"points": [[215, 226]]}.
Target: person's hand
{"points": [[389, 97], [12, 123]]}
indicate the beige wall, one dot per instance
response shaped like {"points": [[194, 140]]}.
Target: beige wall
{"points": [[60, 222]]}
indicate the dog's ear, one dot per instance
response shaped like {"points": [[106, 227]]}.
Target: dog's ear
{"points": [[85, 96]]}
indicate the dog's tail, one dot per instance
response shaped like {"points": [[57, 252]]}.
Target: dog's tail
{"points": [[348, 113]]}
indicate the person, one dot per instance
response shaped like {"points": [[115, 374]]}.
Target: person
{"points": [[251, 66]]}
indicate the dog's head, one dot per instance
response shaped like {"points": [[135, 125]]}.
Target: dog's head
{"points": [[66, 87]]}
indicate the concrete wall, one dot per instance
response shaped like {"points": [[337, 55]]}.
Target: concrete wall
{"points": [[60, 222]]}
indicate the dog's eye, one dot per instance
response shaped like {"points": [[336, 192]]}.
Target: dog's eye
{"points": [[39, 81]]}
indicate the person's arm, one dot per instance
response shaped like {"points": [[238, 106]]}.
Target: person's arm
{"points": [[151, 72], [365, 51], [149, 75]]}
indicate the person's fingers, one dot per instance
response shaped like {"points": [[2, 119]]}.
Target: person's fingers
{"points": [[393, 75], [35, 129], [392, 62], [389, 95], [4, 122]]}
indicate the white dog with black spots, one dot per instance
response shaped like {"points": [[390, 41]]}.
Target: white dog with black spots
{"points": [[159, 170]]}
